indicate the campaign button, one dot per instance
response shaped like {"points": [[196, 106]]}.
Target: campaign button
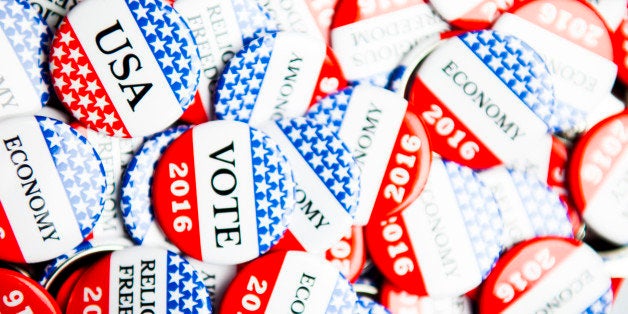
{"points": [[20, 294], [125, 68]]}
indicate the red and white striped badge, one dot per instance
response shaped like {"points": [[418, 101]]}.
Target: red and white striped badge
{"points": [[471, 14], [223, 201], [125, 68], [400, 301], [548, 275], [349, 254], [20, 294], [294, 281]]}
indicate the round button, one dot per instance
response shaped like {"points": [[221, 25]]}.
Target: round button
{"points": [[51, 194], [223, 201], [125, 68], [20, 294]]}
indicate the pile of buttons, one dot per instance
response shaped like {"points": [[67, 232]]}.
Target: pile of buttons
{"points": [[324, 156]]}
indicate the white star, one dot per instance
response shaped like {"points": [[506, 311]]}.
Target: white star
{"points": [[57, 53], [101, 103], [93, 117], [68, 98], [17, 38], [158, 15], [75, 54], [85, 100], [266, 239], [141, 13], [66, 38], [110, 119], [149, 28], [84, 70], [158, 45], [174, 47], [76, 85], [67, 69], [189, 303], [92, 86], [166, 30], [166, 61]]}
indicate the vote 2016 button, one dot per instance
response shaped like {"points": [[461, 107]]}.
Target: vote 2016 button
{"points": [[223, 201], [20, 294], [486, 99], [276, 76], [400, 301], [125, 68], [470, 15], [389, 144], [51, 194], [371, 37], [292, 281], [546, 275], [446, 241], [598, 177], [140, 280], [23, 59], [349, 254], [135, 199], [576, 45], [220, 28], [327, 182]]}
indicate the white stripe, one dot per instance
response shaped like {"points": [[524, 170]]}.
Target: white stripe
{"points": [[364, 48], [287, 45], [204, 170], [561, 277], [312, 239], [600, 72], [133, 258], [292, 16], [159, 107], [294, 271], [439, 193], [393, 109], [451, 10], [431, 72], [18, 82], [17, 209]]}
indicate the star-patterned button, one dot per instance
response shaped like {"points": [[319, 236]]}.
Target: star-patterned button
{"points": [[186, 291], [331, 110], [343, 299]]}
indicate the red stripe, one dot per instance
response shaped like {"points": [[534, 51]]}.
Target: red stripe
{"points": [[287, 243], [348, 254], [195, 114], [8, 242], [330, 78], [91, 293]]}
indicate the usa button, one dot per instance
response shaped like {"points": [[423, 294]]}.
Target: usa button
{"points": [[276, 76], [51, 196], [470, 15], [137, 280], [486, 99], [548, 275], [289, 281], [389, 144], [444, 243], [21, 294], [23, 60], [223, 201], [125, 68]]}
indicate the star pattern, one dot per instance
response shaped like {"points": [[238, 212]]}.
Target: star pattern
{"points": [[602, 305], [343, 299], [480, 214], [253, 20], [331, 110], [239, 85], [79, 168], [379, 79], [546, 211], [368, 306], [186, 291], [525, 73], [274, 188], [29, 38], [54, 265], [135, 199], [328, 156]]}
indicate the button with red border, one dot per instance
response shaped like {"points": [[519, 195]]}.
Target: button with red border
{"points": [[486, 99], [276, 76], [223, 201], [446, 242], [470, 15], [295, 281], [598, 177], [125, 68], [349, 254], [548, 274], [389, 144], [20, 294], [371, 37], [137, 280], [620, 50], [400, 301]]}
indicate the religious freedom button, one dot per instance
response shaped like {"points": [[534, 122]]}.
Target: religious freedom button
{"points": [[446, 242], [52, 192], [486, 99], [389, 144], [294, 281], [223, 200], [126, 67], [276, 76], [23, 59], [548, 275], [140, 280], [21, 295]]}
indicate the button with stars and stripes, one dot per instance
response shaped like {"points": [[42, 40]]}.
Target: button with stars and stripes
{"points": [[327, 182], [446, 242], [276, 76], [51, 194], [486, 99], [21, 294], [224, 200], [548, 275], [289, 282], [24, 73], [140, 280], [389, 143], [126, 68]]}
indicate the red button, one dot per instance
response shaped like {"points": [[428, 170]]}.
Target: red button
{"points": [[20, 294], [349, 254]]}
